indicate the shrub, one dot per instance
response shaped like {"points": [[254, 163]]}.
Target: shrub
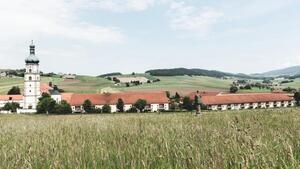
{"points": [[140, 104], [11, 106], [120, 105], [63, 108], [15, 90], [187, 103], [46, 105], [87, 106], [233, 89], [132, 110], [106, 109]]}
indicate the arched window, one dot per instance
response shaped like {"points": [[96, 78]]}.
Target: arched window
{"points": [[30, 78], [30, 70]]}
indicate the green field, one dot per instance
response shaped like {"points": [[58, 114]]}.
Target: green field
{"points": [[239, 139], [185, 84], [88, 84], [181, 84], [295, 84]]}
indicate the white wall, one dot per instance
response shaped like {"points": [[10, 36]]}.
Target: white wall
{"points": [[57, 98]]}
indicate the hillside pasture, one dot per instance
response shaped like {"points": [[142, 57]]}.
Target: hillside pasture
{"points": [[233, 139], [184, 84]]}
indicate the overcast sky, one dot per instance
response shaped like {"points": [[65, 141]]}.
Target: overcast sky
{"points": [[101, 36]]}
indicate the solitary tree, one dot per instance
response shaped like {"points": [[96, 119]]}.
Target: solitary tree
{"points": [[140, 104], [177, 97], [168, 94], [87, 106], [297, 98], [15, 90], [120, 105]]}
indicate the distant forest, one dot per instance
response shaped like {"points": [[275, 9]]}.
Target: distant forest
{"points": [[193, 72], [111, 74]]}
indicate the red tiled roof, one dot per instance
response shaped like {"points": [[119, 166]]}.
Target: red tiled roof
{"points": [[11, 97], [245, 98], [203, 93], [45, 88], [112, 98]]}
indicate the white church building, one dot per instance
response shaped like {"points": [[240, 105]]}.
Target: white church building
{"points": [[33, 89], [32, 86]]}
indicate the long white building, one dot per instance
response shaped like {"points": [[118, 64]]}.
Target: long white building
{"points": [[245, 101]]}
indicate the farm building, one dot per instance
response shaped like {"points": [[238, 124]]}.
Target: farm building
{"points": [[157, 101], [132, 79], [246, 101]]}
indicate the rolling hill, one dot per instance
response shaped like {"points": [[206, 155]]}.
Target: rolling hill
{"points": [[289, 71], [193, 72]]}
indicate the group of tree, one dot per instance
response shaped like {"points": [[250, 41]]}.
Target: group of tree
{"points": [[187, 103], [47, 105], [193, 72], [11, 106], [138, 106], [110, 74]]}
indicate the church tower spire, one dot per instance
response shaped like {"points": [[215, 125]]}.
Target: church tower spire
{"points": [[31, 80]]}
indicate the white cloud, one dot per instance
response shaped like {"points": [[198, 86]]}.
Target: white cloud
{"points": [[26, 19], [189, 18], [116, 5]]}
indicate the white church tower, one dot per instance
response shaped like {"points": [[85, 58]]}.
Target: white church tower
{"points": [[31, 80]]}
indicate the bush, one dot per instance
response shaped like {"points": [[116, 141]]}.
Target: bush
{"points": [[132, 110], [140, 104], [63, 108], [87, 106], [46, 105], [187, 104], [97, 110], [13, 106], [233, 89], [120, 105], [106, 109], [15, 90]]}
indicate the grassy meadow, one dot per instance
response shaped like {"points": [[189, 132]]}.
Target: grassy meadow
{"points": [[88, 84], [233, 139], [181, 84]]}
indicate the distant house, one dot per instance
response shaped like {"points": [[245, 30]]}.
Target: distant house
{"points": [[3, 74], [132, 79], [69, 76], [156, 101], [247, 101]]}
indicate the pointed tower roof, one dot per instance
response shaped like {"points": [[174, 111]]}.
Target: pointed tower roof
{"points": [[32, 58]]}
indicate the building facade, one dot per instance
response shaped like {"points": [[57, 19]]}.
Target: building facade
{"points": [[247, 101], [156, 101]]}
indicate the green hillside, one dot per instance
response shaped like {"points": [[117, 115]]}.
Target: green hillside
{"points": [[183, 84]]}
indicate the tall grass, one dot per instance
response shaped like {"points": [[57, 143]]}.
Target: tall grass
{"points": [[243, 139]]}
